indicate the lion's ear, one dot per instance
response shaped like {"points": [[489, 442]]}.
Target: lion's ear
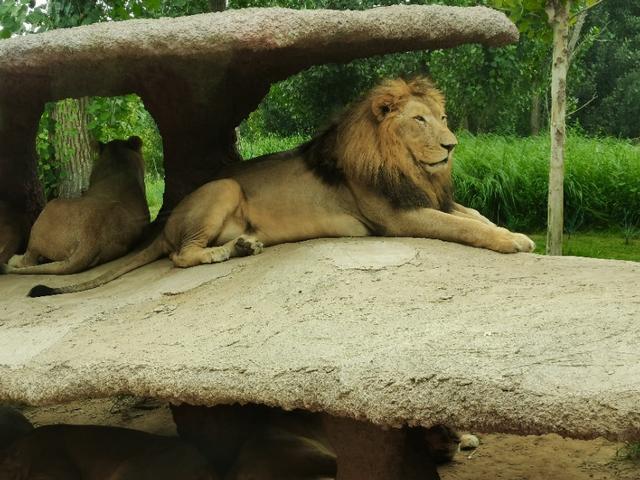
{"points": [[134, 143], [383, 105]]}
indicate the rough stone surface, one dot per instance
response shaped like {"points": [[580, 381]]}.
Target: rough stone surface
{"points": [[116, 57], [397, 331], [200, 76]]}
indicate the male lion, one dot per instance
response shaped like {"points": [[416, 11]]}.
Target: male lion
{"points": [[383, 168], [103, 224]]}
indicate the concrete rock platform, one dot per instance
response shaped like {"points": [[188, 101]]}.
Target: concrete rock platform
{"points": [[396, 331]]}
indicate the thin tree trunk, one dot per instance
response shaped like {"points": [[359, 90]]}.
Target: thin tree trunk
{"points": [[575, 34], [536, 113], [558, 12], [75, 150]]}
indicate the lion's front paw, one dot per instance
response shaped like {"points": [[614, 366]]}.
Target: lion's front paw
{"points": [[246, 246], [525, 244], [218, 255], [15, 261], [509, 242]]}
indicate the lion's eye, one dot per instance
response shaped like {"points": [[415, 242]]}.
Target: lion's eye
{"points": [[420, 119], [444, 118]]}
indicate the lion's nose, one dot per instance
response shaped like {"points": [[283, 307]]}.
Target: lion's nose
{"points": [[448, 146]]}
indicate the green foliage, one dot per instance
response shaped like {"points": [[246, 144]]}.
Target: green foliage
{"points": [[487, 89], [124, 9], [48, 169], [110, 118], [20, 16], [154, 190], [494, 101], [114, 118], [612, 71], [630, 451], [305, 102], [507, 177], [528, 15], [531, 15], [71, 13]]}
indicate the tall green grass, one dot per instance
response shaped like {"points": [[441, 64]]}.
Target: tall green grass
{"points": [[154, 187], [506, 178], [630, 451], [595, 244]]}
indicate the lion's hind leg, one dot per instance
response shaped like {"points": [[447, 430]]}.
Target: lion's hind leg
{"points": [[246, 245], [192, 255]]}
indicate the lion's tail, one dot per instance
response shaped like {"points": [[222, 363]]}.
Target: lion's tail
{"points": [[155, 250]]}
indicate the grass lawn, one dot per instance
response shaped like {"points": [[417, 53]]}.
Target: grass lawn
{"points": [[154, 187], [630, 451], [606, 244]]}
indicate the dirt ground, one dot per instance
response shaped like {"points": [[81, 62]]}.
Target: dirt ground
{"points": [[499, 456]]}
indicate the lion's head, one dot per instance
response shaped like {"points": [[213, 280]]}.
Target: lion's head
{"points": [[396, 140], [120, 157]]}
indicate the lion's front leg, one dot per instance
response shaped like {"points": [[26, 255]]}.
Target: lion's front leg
{"points": [[430, 223], [462, 211]]}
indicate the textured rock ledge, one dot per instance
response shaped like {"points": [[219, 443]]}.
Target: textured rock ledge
{"points": [[392, 330], [103, 58]]}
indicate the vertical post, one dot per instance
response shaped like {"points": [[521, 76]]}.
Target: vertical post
{"points": [[19, 116], [558, 13]]}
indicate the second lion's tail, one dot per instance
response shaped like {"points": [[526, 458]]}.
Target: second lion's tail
{"points": [[155, 250]]}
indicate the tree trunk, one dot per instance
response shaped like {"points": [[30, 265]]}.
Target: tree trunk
{"points": [[558, 12], [536, 113], [75, 150]]}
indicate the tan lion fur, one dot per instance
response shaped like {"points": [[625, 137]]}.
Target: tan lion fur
{"points": [[103, 224], [382, 168]]}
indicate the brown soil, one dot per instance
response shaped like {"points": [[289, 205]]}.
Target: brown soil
{"points": [[499, 456], [541, 457]]}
